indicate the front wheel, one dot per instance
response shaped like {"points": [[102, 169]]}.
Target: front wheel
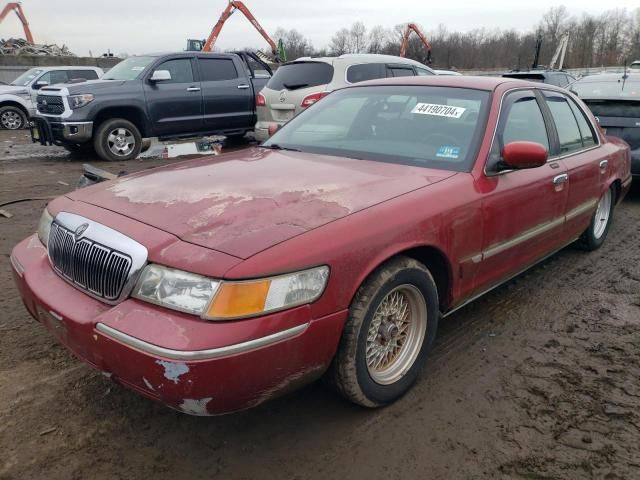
{"points": [[117, 139], [390, 329], [595, 235], [12, 118]]}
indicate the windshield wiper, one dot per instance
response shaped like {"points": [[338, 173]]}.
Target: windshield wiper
{"points": [[275, 146], [294, 86]]}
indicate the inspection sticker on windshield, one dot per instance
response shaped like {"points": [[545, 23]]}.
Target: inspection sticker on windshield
{"points": [[448, 152], [438, 110]]}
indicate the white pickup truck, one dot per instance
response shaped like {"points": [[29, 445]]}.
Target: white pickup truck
{"points": [[18, 99]]}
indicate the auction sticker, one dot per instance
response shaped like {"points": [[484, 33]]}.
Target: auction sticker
{"points": [[438, 110], [448, 152]]}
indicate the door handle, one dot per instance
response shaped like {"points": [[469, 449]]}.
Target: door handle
{"points": [[560, 179], [604, 164], [243, 86], [193, 89]]}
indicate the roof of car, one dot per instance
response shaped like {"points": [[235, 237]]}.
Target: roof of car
{"points": [[361, 58], [609, 77], [461, 81], [69, 67]]}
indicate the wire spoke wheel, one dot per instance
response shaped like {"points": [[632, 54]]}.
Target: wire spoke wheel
{"points": [[396, 334], [601, 218], [121, 141]]}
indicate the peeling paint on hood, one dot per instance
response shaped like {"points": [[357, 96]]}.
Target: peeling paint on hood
{"points": [[247, 201]]}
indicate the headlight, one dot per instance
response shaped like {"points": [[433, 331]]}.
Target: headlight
{"points": [[256, 297], [183, 291], [219, 300], [44, 227], [77, 101]]}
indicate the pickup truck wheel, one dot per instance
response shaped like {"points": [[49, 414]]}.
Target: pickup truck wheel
{"points": [[389, 332], [12, 118], [595, 235], [117, 139]]}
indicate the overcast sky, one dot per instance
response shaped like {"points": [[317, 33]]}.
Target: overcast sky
{"points": [[139, 26]]}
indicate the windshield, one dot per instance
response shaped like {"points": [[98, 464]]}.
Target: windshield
{"points": [[619, 87], [436, 127], [128, 69], [27, 77]]}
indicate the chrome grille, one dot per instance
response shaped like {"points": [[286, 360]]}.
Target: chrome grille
{"points": [[51, 104], [95, 268]]}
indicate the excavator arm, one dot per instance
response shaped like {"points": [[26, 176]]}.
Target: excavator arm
{"points": [[15, 6], [418, 32], [232, 7]]}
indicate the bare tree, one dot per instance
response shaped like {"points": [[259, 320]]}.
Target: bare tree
{"points": [[377, 38], [357, 37], [340, 42], [295, 44]]}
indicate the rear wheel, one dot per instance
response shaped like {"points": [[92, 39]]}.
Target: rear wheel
{"points": [[391, 327], [12, 118], [117, 139], [595, 235]]}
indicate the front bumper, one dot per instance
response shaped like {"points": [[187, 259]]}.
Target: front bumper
{"points": [[229, 366], [51, 132]]}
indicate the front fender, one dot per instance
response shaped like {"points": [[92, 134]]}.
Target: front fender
{"points": [[26, 105]]}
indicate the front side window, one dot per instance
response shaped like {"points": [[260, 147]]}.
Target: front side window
{"points": [[521, 120], [180, 70], [85, 74], [566, 124], [217, 69], [422, 72], [55, 76], [426, 126]]}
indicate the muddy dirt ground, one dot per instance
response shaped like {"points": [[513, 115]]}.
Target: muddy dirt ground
{"points": [[539, 379]]}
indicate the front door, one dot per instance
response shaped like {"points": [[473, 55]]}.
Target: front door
{"points": [[523, 210], [175, 104]]}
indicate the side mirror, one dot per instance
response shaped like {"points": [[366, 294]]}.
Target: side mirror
{"points": [[39, 84], [520, 155], [160, 76]]}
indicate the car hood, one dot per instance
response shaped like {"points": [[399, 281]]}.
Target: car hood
{"points": [[244, 202], [85, 87], [12, 90]]}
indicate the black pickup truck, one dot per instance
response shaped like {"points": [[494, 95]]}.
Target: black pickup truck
{"points": [[167, 96]]}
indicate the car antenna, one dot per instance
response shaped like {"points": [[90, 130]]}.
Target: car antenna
{"points": [[625, 75]]}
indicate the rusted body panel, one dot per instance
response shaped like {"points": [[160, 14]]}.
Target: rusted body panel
{"points": [[259, 213]]}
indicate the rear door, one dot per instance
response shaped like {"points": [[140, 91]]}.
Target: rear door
{"points": [[523, 210], [290, 85], [586, 164], [175, 105], [227, 95]]}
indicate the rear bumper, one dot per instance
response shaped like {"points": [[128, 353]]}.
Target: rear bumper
{"points": [[262, 129], [49, 132], [136, 344], [635, 162]]}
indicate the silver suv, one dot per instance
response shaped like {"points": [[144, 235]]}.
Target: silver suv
{"points": [[299, 84]]}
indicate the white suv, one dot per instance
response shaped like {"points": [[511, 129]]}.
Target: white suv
{"points": [[299, 84], [18, 99]]}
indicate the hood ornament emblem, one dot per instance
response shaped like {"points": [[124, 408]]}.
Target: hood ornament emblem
{"points": [[77, 234]]}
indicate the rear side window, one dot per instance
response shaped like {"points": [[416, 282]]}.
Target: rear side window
{"points": [[400, 71], [217, 69], [566, 125], [423, 72], [366, 71], [86, 74], [292, 76], [180, 70], [588, 139]]}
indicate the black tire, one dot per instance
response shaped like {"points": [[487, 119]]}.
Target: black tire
{"points": [[592, 239], [107, 150], [349, 373], [12, 118]]}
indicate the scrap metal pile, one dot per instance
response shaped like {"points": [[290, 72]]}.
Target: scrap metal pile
{"points": [[19, 46]]}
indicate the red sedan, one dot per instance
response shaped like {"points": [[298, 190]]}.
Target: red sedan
{"points": [[333, 249]]}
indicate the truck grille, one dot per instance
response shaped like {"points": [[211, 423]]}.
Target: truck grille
{"points": [[90, 266], [51, 104]]}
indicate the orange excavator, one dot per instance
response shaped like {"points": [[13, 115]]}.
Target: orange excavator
{"points": [[276, 50], [15, 6], [418, 32]]}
